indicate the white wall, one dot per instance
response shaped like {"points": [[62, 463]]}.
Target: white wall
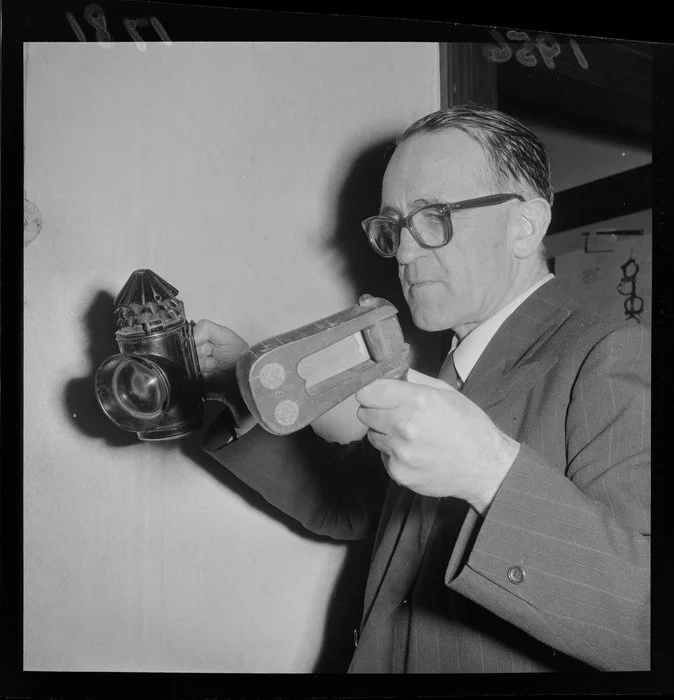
{"points": [[222, 167]]}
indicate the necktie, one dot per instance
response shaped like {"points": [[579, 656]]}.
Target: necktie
{"points": [[406, 559], [429, 506], [448, 372]]}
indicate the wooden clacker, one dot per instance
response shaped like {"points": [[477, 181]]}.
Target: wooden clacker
{"points": [[287, 381]]}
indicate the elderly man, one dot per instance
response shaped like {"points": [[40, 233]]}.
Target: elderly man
{"points": [[510, 497]]}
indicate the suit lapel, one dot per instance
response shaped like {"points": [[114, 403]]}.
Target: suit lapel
{"points": [[394, 517], [512, 363], [508, 366]]}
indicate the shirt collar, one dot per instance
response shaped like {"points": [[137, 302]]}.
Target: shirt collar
{"points": [[468, 351]]}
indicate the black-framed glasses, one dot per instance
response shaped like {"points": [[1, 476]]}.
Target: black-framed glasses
{"points": [[430, 225]]}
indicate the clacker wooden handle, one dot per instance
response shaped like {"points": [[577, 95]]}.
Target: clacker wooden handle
{"points": [[283, 400]]}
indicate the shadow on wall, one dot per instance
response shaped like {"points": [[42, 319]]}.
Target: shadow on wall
{"points": [[369, 273], [359, 197], [345, 602], [84, 413], [87, 418]]}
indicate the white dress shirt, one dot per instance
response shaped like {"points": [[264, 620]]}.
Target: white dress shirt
{"points": [[468, 351]]}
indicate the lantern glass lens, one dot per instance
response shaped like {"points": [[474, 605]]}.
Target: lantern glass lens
{"points": [[139, 389]]}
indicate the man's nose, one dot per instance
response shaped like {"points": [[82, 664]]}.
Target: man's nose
{"points": [[408, 249]]}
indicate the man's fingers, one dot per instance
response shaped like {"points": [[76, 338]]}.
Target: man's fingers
{"points": [[382, 393], [419, 378], [207, 364], [378, 441], [203, 331], [386, 393], [375, 419]]}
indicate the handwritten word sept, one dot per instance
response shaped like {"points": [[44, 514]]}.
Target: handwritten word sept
{"points": [[548, 47], [95, 17]]}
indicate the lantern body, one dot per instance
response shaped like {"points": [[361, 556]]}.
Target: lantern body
{"points": [[152, 387]]}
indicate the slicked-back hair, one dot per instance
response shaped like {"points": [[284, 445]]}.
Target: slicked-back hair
{"points": [[516, 155]]}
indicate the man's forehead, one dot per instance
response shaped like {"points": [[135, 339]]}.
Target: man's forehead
{"points": [[440, 158], [443, 148]]}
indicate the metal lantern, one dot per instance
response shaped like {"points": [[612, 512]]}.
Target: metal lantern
{"points": [[152, 387]]}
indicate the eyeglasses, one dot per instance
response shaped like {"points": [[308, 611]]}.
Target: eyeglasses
{"points": [[430, 225]]}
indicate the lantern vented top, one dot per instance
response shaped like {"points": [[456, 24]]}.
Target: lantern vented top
{"points": [[147, 303]]}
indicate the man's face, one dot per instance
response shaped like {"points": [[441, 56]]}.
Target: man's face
{"points": [[463, 283]]}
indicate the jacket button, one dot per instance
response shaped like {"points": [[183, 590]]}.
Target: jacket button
{"points": [[516, 574], [404, 603]]}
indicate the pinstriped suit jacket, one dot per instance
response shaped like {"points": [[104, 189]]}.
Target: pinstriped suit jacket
{"points": [[572, 515]]}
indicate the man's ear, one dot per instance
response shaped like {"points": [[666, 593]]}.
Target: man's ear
{"points": [[533, 223]]}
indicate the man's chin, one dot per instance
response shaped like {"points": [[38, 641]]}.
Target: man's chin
{"points": [[425, 321]]}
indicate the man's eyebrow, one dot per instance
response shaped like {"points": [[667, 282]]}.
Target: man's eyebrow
{"points": [[388, 211], [423, 202], [392, 211]]}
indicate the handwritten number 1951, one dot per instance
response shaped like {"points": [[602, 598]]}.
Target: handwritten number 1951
{"points": [[578, 54], [524, 55], [75, 26], [95, 17], [161, 31], [548, 47], [131, 25]]}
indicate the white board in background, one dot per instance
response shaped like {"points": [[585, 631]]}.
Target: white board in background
{"points": [[595, 275]]}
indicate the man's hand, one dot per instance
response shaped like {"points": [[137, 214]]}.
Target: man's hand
{"points": [[218, 348], [435, 441]]}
